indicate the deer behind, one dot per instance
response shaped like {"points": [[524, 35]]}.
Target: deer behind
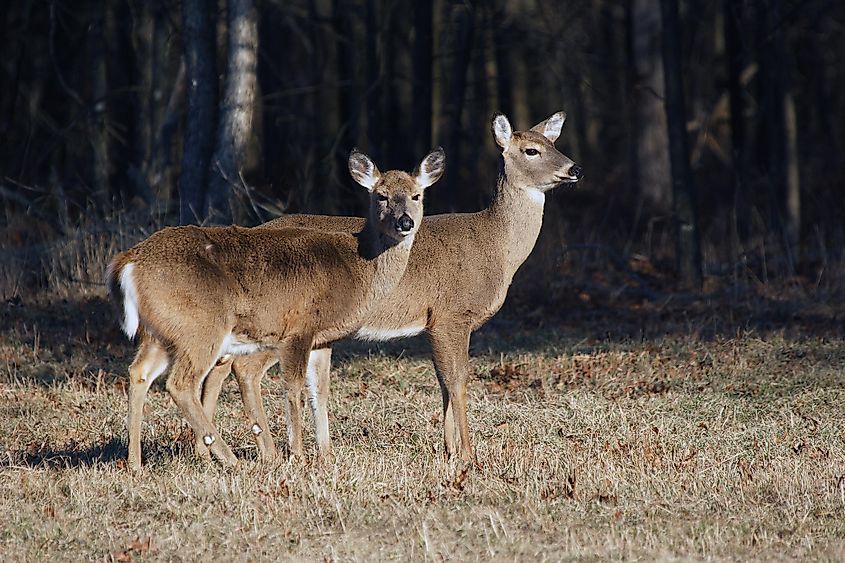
{"points": [[458, 276], [195, 295]]}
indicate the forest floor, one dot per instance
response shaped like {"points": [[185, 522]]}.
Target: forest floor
{"points": [[636, 432]]}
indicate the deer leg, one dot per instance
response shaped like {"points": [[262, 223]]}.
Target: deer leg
{"points": [[451, 361], [150, 362], [210, 395], [318, 379], [249, 371], [294, 359], [184, 385]]}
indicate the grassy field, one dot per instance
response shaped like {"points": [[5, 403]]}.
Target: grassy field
{"points": [[630, 432]]}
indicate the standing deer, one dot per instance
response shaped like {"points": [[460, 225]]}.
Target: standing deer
{"points": [[197, 295], [457, 277]]}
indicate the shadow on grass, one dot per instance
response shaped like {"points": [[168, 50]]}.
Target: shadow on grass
{"points": [[109, 451], [86, 332]]}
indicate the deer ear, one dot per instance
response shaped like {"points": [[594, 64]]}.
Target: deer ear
{"points": [[502, 130], [363, 170], [550, 128], [431, 168]]}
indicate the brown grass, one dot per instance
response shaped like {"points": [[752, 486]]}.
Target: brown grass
{"points": [[637, 433]]}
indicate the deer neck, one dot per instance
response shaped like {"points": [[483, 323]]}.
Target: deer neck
{"points": [[388, 259], [518, 213]]}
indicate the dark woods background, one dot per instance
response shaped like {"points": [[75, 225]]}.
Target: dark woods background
{"points": [[710, 132]]}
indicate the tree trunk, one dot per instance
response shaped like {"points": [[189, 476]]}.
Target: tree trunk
{"points": [[198, 33], [348, 69], [734, 16], [463, 22], [652, 143], [393, 26], [502, 49], [236, 111], [143, 43], [687, 244], [783, 179], [101, 164], [375, 83], [422, 56]]}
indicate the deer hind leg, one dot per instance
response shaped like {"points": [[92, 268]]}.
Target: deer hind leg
{"points": [[294, 359], [184, 386], [150, 362], [318, 380], [211, 388], [450, 347], [249, 371]]}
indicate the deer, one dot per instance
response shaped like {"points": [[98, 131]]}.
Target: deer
{"points": [[199, 296], [458, 276]]}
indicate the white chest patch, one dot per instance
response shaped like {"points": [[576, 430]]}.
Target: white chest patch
{"points": [[377, 334]]}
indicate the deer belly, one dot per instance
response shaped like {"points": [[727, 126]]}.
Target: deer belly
{"points": [[238, 345], [376, 333]]}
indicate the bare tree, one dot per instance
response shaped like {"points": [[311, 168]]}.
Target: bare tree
{"points": [[143, 44], [687, 244], [98, 113], [652, 145], [201, 97], [779, 108], [422, 75], [734, 16], [375, 75], [463, 25], [237, 109]]}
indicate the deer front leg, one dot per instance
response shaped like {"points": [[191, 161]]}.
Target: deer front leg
{"points": [[450, 347], [249, 371], [294, 360], [318, 379], [184, 386]]}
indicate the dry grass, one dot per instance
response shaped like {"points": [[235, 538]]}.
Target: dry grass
{"points": [[596, 439]]}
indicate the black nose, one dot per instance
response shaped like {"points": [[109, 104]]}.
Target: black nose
{"points": [[576, 171], [404, 223]]}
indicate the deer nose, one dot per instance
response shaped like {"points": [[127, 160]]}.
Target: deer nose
{"points": [[576, 171], [404, 223]]}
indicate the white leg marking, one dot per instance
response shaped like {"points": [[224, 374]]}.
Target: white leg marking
{"points": [[130, 301], [288, 419], [311, 379], [318, 408], [152, 371], [208, 439]]}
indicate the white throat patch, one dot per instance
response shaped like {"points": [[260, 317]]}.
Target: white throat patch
{"points": [[537, 196]]}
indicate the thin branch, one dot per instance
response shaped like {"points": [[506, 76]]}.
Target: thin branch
{"points": [[68, 90]]}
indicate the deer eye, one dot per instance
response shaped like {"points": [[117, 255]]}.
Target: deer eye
{"points": [[382, 197], [415, 197], [532, 152]]}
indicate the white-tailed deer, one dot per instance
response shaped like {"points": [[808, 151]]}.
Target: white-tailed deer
{"points": [[458, 276], [197, 295]]}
